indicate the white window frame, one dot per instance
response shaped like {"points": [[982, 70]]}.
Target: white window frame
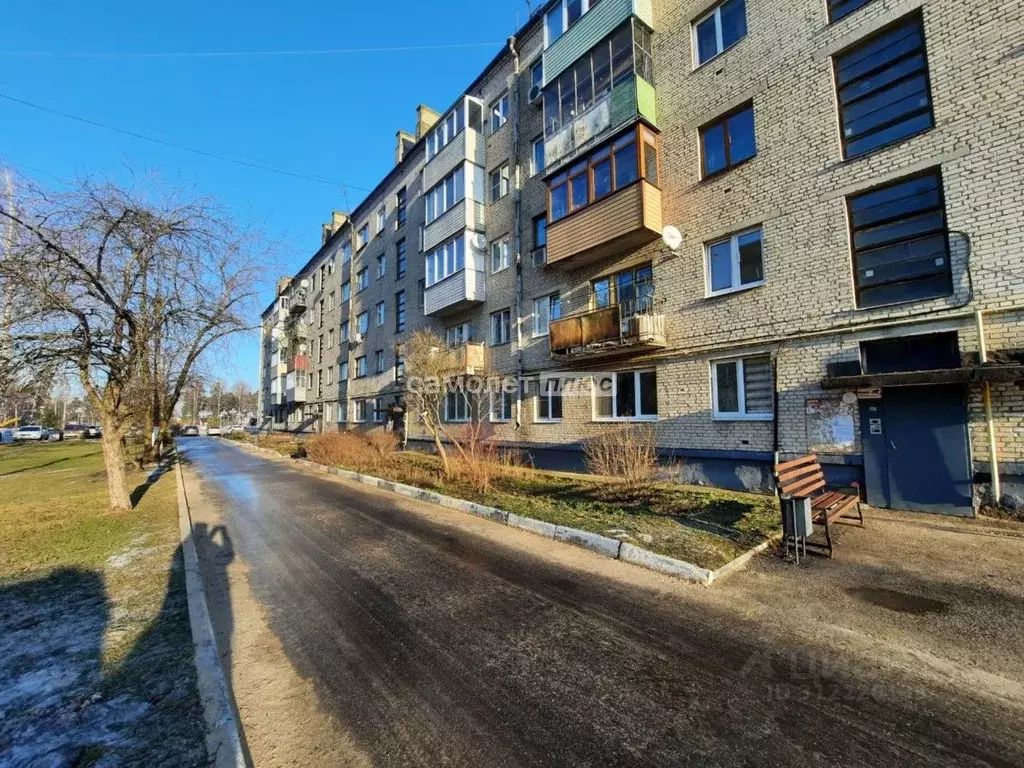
{"points": [[734, 248], [586, 5], [546, 303], [501, 249], [544, 394], [382, 266], [451, 253], [615, 397], [498, 110], [361, 366], [380, 313], [453, 333], [741, 398], [330, 375], [500, 315], [361, 284], [358, 405], [363, 319], [456, 420], [499, 398], [537, 65], [719, 41], [382, 218], [362, 237], [381, 360], [330, 339], [504, 182]]}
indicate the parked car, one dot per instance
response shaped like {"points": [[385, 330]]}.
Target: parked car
{"points": [[31, 432], [213, 431], [6, 436], [190, 430], [236, 429], [54, 435], [75, 431], [93, 433]]}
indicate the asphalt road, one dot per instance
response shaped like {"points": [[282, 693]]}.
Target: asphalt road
{"points": [[434, 645]]}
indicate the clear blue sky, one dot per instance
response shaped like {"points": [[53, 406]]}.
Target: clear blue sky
{"points": [[332, 116]]}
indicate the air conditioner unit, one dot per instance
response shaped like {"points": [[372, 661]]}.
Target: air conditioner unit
{"points": [[535, 94], [540, 256]]}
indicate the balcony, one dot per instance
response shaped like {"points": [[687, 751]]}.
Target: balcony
{"points": [[455, 293], [466, 359], [298, 363], [295, 394], [618, 224], [469, 144], [630, 326], [595, 25], [466, 214]]}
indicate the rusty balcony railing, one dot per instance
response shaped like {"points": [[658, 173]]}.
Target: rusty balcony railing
{"points": [[632, 323]]}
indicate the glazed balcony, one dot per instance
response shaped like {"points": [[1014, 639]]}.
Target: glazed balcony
{"points": [[615, 225], [455, 293], [455, 138], [635, 325]]}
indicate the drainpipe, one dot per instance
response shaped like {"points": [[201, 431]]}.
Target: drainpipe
{"points": [[513, 100], [997, 491]]}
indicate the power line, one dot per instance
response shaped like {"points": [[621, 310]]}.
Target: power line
{"points": [[182, 147], [241, 54]]}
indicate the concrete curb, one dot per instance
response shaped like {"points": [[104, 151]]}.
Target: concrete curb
{"points": [[602, 545], [223, 733]]}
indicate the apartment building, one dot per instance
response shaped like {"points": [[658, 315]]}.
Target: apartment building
{"points": [[765, 228]]}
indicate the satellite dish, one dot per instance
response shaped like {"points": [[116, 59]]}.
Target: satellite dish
{"points": [[304, 283], [672, 238], [849, 398], [480, 242]]}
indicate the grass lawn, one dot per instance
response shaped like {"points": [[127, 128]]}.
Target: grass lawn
{"points": [[704, 526], [94, 631]]}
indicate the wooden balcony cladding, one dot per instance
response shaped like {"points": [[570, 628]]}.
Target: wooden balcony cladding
{"points": [[622, 222]]}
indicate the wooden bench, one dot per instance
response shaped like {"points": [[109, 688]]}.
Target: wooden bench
{"points": [[803, 479]]}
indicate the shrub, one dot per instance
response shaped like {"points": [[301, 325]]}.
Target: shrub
{"points": [[338, 449], [629, 455], [383, 444]]}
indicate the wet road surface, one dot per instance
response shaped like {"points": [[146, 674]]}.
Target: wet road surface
{"points": [[434, 645]]}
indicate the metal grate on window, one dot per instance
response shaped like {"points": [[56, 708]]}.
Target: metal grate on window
{"points": [[839, 9], [883, 89], [900, 244]]}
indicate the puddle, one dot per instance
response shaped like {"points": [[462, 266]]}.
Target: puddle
{"points": [[902, 602]]}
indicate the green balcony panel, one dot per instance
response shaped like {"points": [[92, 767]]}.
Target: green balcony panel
{"points": [[594, 27]]}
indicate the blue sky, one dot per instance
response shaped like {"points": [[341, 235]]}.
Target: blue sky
{"points": [[330, 116]]}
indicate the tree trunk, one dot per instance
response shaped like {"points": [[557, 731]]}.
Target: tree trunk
{"points": [[113, 460]]}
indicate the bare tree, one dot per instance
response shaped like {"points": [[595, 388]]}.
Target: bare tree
{"points": [[128, 289]]}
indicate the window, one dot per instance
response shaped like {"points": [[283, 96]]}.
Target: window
{"points": [[499, 255], [549, 400], [742, 389], [735, 262], [381, 362], [728, 141], [838, 9], [456, 406], [544, 311], [330, 339], [499, 112], [320, 350], [344, 371], [502, 405], [537, 74], [362, 236], [501, 327], [320, 312], [399, 366], [379, 312], [362, 279], [359, 410], [630, 396], [900, 245], [329, 407], [421, 293], [614, 61], [401, 257], [379, 413], [346, 253], [446, 194], [469, 113], [330, 377], [631, 289], [499, 182], [607, 169], [319, 385], [323, 275], [381, 266], [883, 91], [346, 291], [361, 367], [330, 302], [399, 311], [446, 260], [537, 163], [563, 16], [401, 201], [362, 323], [458, 334], [719, 30], [344, 331], [382, 215], [540, 239]]}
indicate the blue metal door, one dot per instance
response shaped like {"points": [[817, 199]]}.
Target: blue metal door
{"points": [[918, 457]]}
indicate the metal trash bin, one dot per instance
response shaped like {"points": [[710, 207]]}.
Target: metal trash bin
{"points": [[796, 518]]}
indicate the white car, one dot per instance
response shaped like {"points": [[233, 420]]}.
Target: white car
{"points": [[213, 430], [31, 432]]}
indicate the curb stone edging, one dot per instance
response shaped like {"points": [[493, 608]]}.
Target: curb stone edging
{"points": [[223, 732], [595, 542]]}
